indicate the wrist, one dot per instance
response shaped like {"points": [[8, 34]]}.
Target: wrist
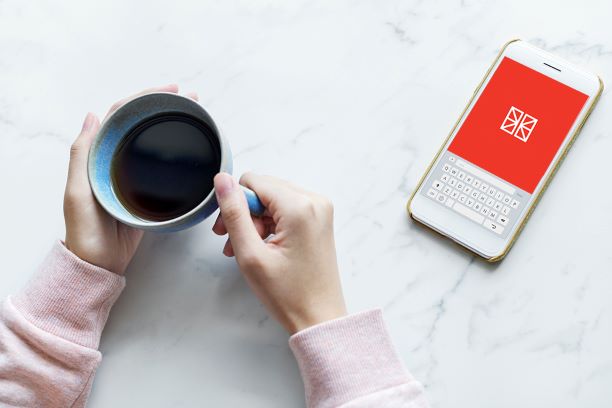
{"points": [[93, 255], [323, 316]]}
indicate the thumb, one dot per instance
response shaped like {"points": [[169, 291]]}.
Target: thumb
{"points": [[79, 153], [246, 242]]}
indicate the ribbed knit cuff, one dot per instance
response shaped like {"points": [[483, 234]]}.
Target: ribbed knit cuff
{"points": [[346, 358], [69, 297]]}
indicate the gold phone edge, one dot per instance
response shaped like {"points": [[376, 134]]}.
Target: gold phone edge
{"points": [[540, 193]]}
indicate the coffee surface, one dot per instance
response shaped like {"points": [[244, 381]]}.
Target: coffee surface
{"points": [[165, 166]]}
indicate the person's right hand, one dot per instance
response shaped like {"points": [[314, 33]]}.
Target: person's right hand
{"points": [[294, 273]]}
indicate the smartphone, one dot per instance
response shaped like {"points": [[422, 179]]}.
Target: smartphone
{"points": [[487, 177]]}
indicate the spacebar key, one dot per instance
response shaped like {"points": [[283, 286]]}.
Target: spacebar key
{"points": [[471, 214]]}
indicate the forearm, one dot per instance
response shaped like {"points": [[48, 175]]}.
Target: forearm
{"points": [[50, 331], [351, 362]]}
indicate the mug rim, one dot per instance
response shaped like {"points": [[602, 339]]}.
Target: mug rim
{"points": [[136, 221]]}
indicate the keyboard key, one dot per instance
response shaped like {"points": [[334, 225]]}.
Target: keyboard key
{"points": [[463, 210], [493, 226], [474, 199]]}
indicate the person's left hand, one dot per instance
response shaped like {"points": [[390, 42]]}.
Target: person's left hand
{"points": [[91, 233]]}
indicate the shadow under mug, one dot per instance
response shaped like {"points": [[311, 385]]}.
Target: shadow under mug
{"points": [[118, 126]]}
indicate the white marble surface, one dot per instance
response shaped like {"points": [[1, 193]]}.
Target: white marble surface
{"points": [[350, 98]]}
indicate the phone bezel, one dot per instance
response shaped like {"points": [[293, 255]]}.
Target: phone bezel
{"points": [[465, 232]]}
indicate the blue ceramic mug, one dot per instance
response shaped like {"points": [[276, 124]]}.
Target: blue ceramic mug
{"points": [[118, 126]]}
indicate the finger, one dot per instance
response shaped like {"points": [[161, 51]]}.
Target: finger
{"points": [[193, 95], [264, 226], [278, 196], [270, 225], [247, 243], [173, 88], [227, 249], [79, 153], [260, 226], [218, 227]]}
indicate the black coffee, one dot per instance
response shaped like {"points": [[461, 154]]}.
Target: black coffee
{"points": [[165, 166]]}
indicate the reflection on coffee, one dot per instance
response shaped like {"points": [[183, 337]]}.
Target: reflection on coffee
{"points": [[165, 166]]}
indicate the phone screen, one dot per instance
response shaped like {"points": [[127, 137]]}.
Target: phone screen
{"points": [[505, 146], [518, 124]]}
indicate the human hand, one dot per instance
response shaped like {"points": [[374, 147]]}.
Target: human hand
{"points": [[295, 272], [91, 233]]}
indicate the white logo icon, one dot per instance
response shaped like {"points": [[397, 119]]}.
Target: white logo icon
{"points": [[519, 124]]}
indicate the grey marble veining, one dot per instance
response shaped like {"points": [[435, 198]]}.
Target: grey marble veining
{"points": [[352, 99]]}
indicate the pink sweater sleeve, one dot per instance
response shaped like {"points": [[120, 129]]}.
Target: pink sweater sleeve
{"points": [[351, 362], [50, 331]]}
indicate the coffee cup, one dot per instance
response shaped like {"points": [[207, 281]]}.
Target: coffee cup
{"points": [[119, 131]]}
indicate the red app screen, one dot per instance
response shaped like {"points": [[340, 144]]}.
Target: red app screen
{"points": [[518, 124]]}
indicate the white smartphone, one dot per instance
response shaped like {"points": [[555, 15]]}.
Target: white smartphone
{"points": [[502, 152]]}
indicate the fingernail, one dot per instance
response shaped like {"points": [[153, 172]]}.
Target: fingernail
{"points": [[224, 184], [88, 122]]}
